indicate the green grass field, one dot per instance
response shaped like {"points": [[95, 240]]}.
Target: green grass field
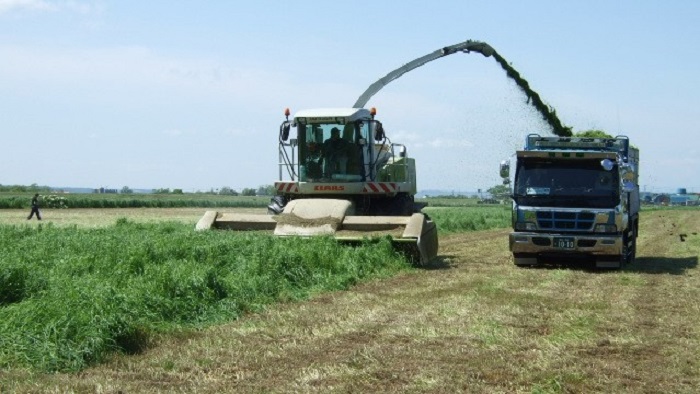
{"points": [[470, 218], [82, 284], [70, 296], [136, 301]]}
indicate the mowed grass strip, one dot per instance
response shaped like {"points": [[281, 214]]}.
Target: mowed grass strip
{"points": [[93, 217], [10, 200], [70, 297]]}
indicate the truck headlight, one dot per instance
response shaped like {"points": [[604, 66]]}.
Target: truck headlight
{"points": [[525, 226], [605, 228]]}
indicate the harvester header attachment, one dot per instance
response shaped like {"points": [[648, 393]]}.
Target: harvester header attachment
{"points": [[415, 235]]}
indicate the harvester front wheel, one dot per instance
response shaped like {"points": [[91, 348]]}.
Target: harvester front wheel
{"points": [[276, 205], [400, 205], [405, 204]]}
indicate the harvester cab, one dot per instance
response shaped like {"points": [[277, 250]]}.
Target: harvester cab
{"points": [[325, 153], [340, 175], [344, 152]]}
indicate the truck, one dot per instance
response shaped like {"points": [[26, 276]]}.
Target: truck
{"points": [[574, 199]]}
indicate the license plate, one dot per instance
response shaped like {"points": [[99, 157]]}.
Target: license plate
{"points": [[564, 243]]}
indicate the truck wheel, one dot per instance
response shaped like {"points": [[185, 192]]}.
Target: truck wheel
{"points": [[632, 253], [629, 249]]}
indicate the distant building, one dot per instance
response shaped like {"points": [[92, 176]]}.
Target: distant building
{"points": [[102, 190], [681, 198], [662, 199], [684, 199]]}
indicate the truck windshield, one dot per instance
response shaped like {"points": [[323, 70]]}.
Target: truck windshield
{"points": [[576, 183], [331, 152]]}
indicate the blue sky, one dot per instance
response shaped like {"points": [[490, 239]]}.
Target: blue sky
{"points": [[190, 94]]}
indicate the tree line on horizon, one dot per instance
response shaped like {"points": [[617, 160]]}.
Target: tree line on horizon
{"points": [[263, 190]]}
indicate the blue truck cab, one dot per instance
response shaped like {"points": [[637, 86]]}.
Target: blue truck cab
{"points": [[574, 198]]}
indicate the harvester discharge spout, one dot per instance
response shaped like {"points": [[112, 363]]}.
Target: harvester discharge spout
{"points": [[465, 47], [548, 113]]}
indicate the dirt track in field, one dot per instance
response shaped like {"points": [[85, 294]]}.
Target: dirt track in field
{"points": [[472, 322]]}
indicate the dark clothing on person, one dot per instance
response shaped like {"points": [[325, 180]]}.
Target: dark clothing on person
{"points": [[35, 208], [335, 154]]}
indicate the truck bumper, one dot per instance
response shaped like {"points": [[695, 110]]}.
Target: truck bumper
{"points": [[528, 247]]}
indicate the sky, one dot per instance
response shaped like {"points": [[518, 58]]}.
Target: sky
{"points": [[190, 94]]}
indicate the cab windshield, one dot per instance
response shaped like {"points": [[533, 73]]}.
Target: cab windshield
{"points": [[331, 151], [562, 183]]}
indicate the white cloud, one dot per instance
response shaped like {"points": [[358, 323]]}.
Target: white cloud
{"points": [[30, 68], [80, 7], [7, 6], [127, 69]]}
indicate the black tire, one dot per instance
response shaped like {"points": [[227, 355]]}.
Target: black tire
{"points": [[632, 252], [629, 249], [276, 205], [401, 205]]}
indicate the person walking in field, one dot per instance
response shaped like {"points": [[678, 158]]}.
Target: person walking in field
{"points": [[35, 207]]}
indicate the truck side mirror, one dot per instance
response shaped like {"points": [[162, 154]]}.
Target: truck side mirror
{"points": [[607, 164], [505, 171], [284, 130]]}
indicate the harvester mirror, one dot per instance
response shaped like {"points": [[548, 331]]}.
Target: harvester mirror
{"points": [[377, 130], [505, 171], [400, 148], [284, 130]]}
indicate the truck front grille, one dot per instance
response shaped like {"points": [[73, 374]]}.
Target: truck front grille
{"points": [[565, 220]]}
